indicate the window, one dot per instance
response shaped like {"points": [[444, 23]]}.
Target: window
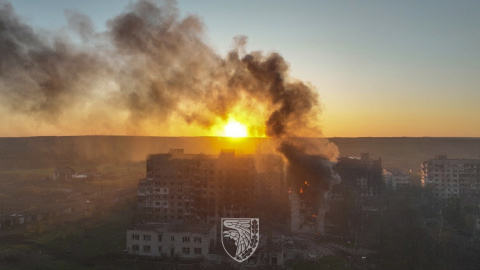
{"points": [[186, 250], [186, 239], [146, 248], [197, 251], [197, 240], [135, 236], [135, 248], [160, 236], [160, 250], [172, 238], [147, 237]]}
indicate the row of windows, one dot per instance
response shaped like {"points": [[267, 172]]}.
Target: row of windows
{"points": [[165, 183], [172, 203], [166, 197], [148, 248], [166, 190], [196, 251], [185, 239], [172, 210]]}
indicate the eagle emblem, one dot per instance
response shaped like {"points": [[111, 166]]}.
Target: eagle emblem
{"points": [[240, 237]]}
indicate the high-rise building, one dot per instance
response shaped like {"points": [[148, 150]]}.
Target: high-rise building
{"points": [[196, 188], [363, 176], [450, 178]]}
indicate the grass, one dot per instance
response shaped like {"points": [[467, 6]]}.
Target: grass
{"points": [[22, 189], [89, 242]]}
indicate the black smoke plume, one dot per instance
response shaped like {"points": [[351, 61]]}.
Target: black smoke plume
{"points": [[150, 73], [316, 169]]}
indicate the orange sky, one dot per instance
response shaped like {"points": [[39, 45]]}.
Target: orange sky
{"points": [[382, 69]]}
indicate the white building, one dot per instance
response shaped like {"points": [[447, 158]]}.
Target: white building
{"points": [[168, 240], [396, 179], [452, 178]]}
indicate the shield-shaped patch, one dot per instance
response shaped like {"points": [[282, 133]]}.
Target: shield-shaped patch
{"points": [[240, 237]]}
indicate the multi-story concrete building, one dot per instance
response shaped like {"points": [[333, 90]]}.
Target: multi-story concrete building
{"points": [[168, 240], [362, 176], [269, 184], [166, 194], [452, 178], [194, 188], [396, 179]]}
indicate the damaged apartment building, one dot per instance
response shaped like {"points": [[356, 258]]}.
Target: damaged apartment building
{"points": [[198, 188], [188, 189], [362, 177]]}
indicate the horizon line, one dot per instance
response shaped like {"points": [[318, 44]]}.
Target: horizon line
{"points": [[251, 137]]}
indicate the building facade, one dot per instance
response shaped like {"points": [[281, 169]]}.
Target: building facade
{"points": [[169, 240], [361, 176], [396, 179], [450, 178], [197, 188]]}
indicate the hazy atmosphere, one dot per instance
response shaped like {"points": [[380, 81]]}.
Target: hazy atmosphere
{"points": [[198, 135], [380, 68]]}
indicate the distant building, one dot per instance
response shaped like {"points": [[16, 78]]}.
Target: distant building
{"points": [[363, 176], [169, 240], [450, 178], [396, 179]]}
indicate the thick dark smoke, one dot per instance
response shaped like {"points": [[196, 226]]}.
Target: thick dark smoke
{"points": [[310, 178], [316, 169], [149, 70]]}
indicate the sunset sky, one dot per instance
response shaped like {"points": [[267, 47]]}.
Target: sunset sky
{"points": [[382, 68]]}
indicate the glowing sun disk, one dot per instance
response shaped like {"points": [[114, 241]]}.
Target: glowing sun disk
{"points": [[234, 129]]}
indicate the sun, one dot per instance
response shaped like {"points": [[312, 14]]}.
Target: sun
{"points": [[235, 129]]}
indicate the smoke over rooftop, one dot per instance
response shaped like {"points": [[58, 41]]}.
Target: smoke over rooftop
{"points": [[150, 73]]}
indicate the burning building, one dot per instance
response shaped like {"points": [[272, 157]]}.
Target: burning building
{"points": [[310, 178], [151, 72]]}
